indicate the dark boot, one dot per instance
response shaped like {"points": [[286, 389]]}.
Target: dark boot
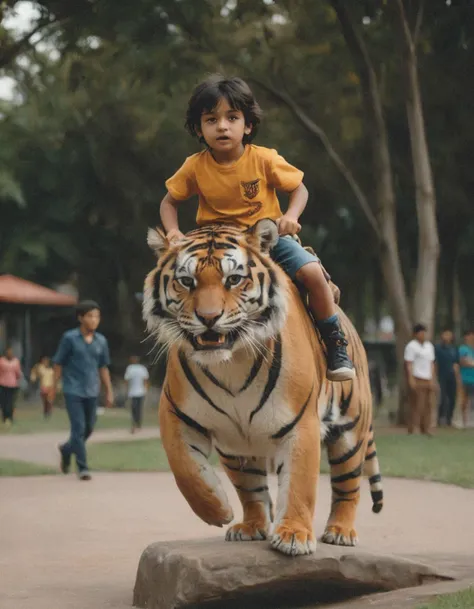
{"points": [[339, 364]]}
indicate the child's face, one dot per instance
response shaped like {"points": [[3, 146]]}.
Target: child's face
{"points": [[224, 128]]}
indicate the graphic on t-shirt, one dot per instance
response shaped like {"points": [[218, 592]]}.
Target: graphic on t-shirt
{"points": [[251, 189]]}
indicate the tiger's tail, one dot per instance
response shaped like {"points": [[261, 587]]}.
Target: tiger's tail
{"points": [[372, 470]]}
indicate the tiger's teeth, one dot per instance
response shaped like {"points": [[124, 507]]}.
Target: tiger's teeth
{"points": [[199, 340], [221, 339]]}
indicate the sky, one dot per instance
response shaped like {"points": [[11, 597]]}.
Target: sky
{"points": [[18, 21]]}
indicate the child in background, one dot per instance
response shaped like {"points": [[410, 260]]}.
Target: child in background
{"points": [[44, 373], [137, 377]]}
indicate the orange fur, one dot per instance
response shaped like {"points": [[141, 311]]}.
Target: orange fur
{"points": [[272, 404]]}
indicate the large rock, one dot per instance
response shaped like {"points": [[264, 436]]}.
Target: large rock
{"points": [[212, 573]]}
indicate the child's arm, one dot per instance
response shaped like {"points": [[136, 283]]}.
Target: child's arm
{"points": [[169, 218], [288, 224]]}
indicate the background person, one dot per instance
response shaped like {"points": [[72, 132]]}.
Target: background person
{"points": [[421, 375], [137, 377], [10, 375], [82, 360], [466, 362]]}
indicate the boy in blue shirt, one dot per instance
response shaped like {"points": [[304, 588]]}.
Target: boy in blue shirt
{"points": [[81, 360]]}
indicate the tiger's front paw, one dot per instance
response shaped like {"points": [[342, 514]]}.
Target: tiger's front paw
{"points": [[339, 535], [247, 531], [293, 539]]}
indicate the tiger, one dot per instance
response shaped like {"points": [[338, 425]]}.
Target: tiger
{"points": [[245, 376]]}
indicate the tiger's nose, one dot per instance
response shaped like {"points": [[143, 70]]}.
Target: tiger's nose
{"points": [[209, 319]]}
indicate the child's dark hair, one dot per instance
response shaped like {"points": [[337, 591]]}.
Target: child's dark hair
{"points": [[83, 307], [207, 95]]}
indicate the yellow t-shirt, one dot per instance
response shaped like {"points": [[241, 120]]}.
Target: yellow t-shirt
{"points": [[241, 193]]}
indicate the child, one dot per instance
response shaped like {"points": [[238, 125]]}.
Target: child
{"points": [[44, 373], [137, 377], [237, 182]]}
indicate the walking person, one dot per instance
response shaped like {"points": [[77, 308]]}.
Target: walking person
{"points": [[43, 373], [10, 375], [447, 366], [82, 360], [466, 362], [137, 377], [421, 375]]}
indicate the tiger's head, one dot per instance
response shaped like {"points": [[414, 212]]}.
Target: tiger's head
{"points": [[215, 291]]}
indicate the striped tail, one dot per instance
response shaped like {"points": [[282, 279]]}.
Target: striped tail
{"points": [[372, 470]]}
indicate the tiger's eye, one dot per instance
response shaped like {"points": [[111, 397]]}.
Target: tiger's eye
{"points": [[186, 282], [234, 280]]}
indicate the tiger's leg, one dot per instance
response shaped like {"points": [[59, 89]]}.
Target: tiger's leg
{"points": [[249, 477], [298, 461], [346, 458], [188, 446]]}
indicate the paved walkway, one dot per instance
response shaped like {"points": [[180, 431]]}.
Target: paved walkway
{"points": [[66, 544], [42, 448]]}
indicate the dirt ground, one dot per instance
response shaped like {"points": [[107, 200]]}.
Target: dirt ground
{"points": [[66, 544]]}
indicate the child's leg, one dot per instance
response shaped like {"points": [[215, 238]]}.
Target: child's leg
{"points": [[305, 268]]}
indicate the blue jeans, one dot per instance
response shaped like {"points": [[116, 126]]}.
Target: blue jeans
{"points": [[291, 256], [82, 416]]}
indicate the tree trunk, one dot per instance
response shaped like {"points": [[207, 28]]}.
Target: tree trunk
{"points": [[424, 301], [384, 191]]}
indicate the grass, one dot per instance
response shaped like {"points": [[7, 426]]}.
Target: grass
{"points": [[444, 458], [9, 467], [29, 419], [459, 600]]}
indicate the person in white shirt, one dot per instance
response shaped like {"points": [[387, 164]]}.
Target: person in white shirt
{"points": [[422, 383], [137, 377]]}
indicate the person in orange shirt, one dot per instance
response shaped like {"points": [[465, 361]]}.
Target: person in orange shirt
{"points": [[236, 182]]}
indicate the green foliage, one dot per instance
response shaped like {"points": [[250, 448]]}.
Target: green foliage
{"points": [[97, 129]]}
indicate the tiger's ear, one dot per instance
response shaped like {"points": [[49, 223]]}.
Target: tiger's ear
{"points": [[157, 241], [264, 234]]}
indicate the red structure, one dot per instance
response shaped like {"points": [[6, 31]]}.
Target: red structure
{"points": [[18, 299], [19, 291]]}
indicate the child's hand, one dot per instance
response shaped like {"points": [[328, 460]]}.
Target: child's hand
{"points": [[288, 226], [174, 235]]}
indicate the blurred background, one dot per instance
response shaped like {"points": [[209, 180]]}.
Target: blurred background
{"points": [[373, 100]]}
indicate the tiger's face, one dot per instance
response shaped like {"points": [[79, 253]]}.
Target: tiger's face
{"points": [[216, 291]]}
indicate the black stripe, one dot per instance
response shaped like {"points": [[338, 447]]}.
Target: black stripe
{"points": [[223, 246], [338, 491], [224, 455], [376, 496], [196, 247], [355, 473], [375, 478], [197, 449], [273, 281], [273, 376], [216, 381], [341, 499], [327, 417], [287, 428], [346, 456], [346, 401], [279, 468], [370, 443], [335, 431], [371, 456], [196, 386], [247, 470], [257, 489], [253, 372], [184, 417]]}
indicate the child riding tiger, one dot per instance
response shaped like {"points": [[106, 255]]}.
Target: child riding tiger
{"points": [[236, 182]]}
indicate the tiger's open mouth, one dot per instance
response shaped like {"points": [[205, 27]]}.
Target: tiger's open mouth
{"points": [[211, 340]]}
